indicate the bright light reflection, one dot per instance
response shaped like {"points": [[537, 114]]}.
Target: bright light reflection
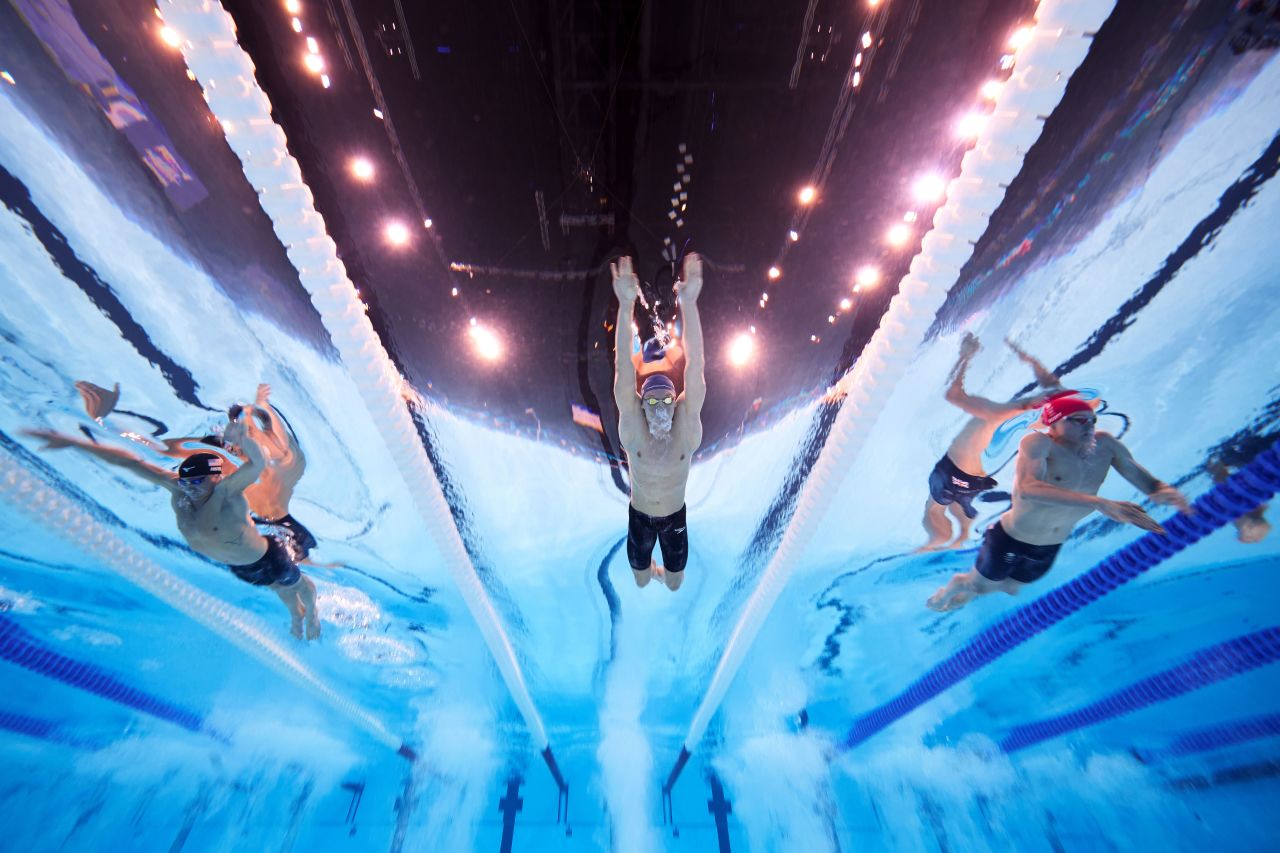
{"points": [[312, 45], [293, 7], [793, 235], [362, 168], [807, 195], [427, 223], [846, 304], [485, 343], [396, 233], [170, 36], [314, 63], [8, 78], [970, 125], [1020, 38], [867, 276], [324, 80], [774, 273], [866, 39], [296, 24], [898, 235], [741, 349], [929, 188], [991, 89]]}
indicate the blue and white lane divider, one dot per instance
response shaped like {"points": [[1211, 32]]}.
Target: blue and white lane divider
{"points": [[1207, 666], [1246, 490], [49, 508]]}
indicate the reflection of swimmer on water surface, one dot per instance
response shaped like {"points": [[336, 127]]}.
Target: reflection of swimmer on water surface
{"points": [[1055, 486], [212, 514], [959, 476], [269, 495]]}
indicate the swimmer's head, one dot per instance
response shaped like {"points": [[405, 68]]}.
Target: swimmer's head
{"points": [[199, 473], [653, 350], [658, 399], [1064, 404]]}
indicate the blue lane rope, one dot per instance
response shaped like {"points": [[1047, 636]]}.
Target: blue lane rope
{"points": [[1207, 666], [43, 729], [19, 647], [1223, 735], [1248, 488]]}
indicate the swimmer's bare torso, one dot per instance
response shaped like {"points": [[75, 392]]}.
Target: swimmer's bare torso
{"points": [[659, 466], [219, 527], [1041, 522]]}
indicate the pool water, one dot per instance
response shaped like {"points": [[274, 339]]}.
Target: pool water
{"points": [[129, 721]]}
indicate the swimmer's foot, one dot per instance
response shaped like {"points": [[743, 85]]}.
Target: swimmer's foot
{"points": [[956, 594], [295, 626], [313, 627], [931, 545]]}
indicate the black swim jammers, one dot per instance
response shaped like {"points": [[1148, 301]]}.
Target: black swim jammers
{"points": [[948, 484], [300, 537], [1001, 556], [274, 567], [644, 531]]}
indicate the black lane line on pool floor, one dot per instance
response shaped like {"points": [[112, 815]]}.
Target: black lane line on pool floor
{"points": [[1234, 199], [17, 198]]}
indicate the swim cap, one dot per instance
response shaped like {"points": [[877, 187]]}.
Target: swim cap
{"points": [[1061, 405], [200, 465], [653, 350], [656, 383]]}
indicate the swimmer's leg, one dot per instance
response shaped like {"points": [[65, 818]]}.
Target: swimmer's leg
{"points": [[672, 579], [936, 525], [965, 522], [643, 578], [307, 593], [289, 595], [964, 587]]}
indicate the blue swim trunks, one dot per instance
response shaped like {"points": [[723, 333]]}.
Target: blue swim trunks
{"points": [[948, 484]]}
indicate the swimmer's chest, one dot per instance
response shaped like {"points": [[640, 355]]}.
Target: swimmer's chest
{"points": [[213, 519], [1068, 470]]}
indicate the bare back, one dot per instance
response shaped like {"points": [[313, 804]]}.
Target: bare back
{"points": [[1039, 522], [270, 495], [659, 467]]}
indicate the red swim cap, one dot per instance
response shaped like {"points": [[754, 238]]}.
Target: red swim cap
{"points": [[1062, 405]]}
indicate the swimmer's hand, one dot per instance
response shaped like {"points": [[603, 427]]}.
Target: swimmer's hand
{"points": [[690, 285], [264, 396], [1129, 513], [970, 345], [52, 439], [98, 401], [625, 283], [1169, 496]]}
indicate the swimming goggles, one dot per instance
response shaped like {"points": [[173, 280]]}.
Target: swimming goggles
{"points": [[666, 401], [1082, 420], [191, 482]]}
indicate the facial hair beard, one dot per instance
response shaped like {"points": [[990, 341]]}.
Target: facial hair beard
{"points": [[1088, 448]]}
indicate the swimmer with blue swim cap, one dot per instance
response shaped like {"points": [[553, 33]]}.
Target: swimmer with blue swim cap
{"points": [[659, 430]]}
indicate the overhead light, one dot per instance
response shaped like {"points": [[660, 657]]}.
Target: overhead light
{"points": [[866, 39], [929, 188], [377, 113], [486, 344], [362, 168], [427, 223], [312, 45], [324, 80], [1020, 38], [170, 36], [897, 235], [293, 7], [314, 63], [774, 273], [296, 24], [991, 89], [807, 195], [970, 125], [396, 233], [741, 349], [793, 235], [846, 304], [867, 276]]}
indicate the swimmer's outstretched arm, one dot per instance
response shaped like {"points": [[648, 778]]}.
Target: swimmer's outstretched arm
{"points": [[116, 456], [1045, 377], [247, 474], [695, 376], [1030, 483], [626, 286], [1158, 490]]}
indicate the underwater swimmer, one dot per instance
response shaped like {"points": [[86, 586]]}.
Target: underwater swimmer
{"points": [[1056, 485], [213, 516], [958, 477], [659, 431]]}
